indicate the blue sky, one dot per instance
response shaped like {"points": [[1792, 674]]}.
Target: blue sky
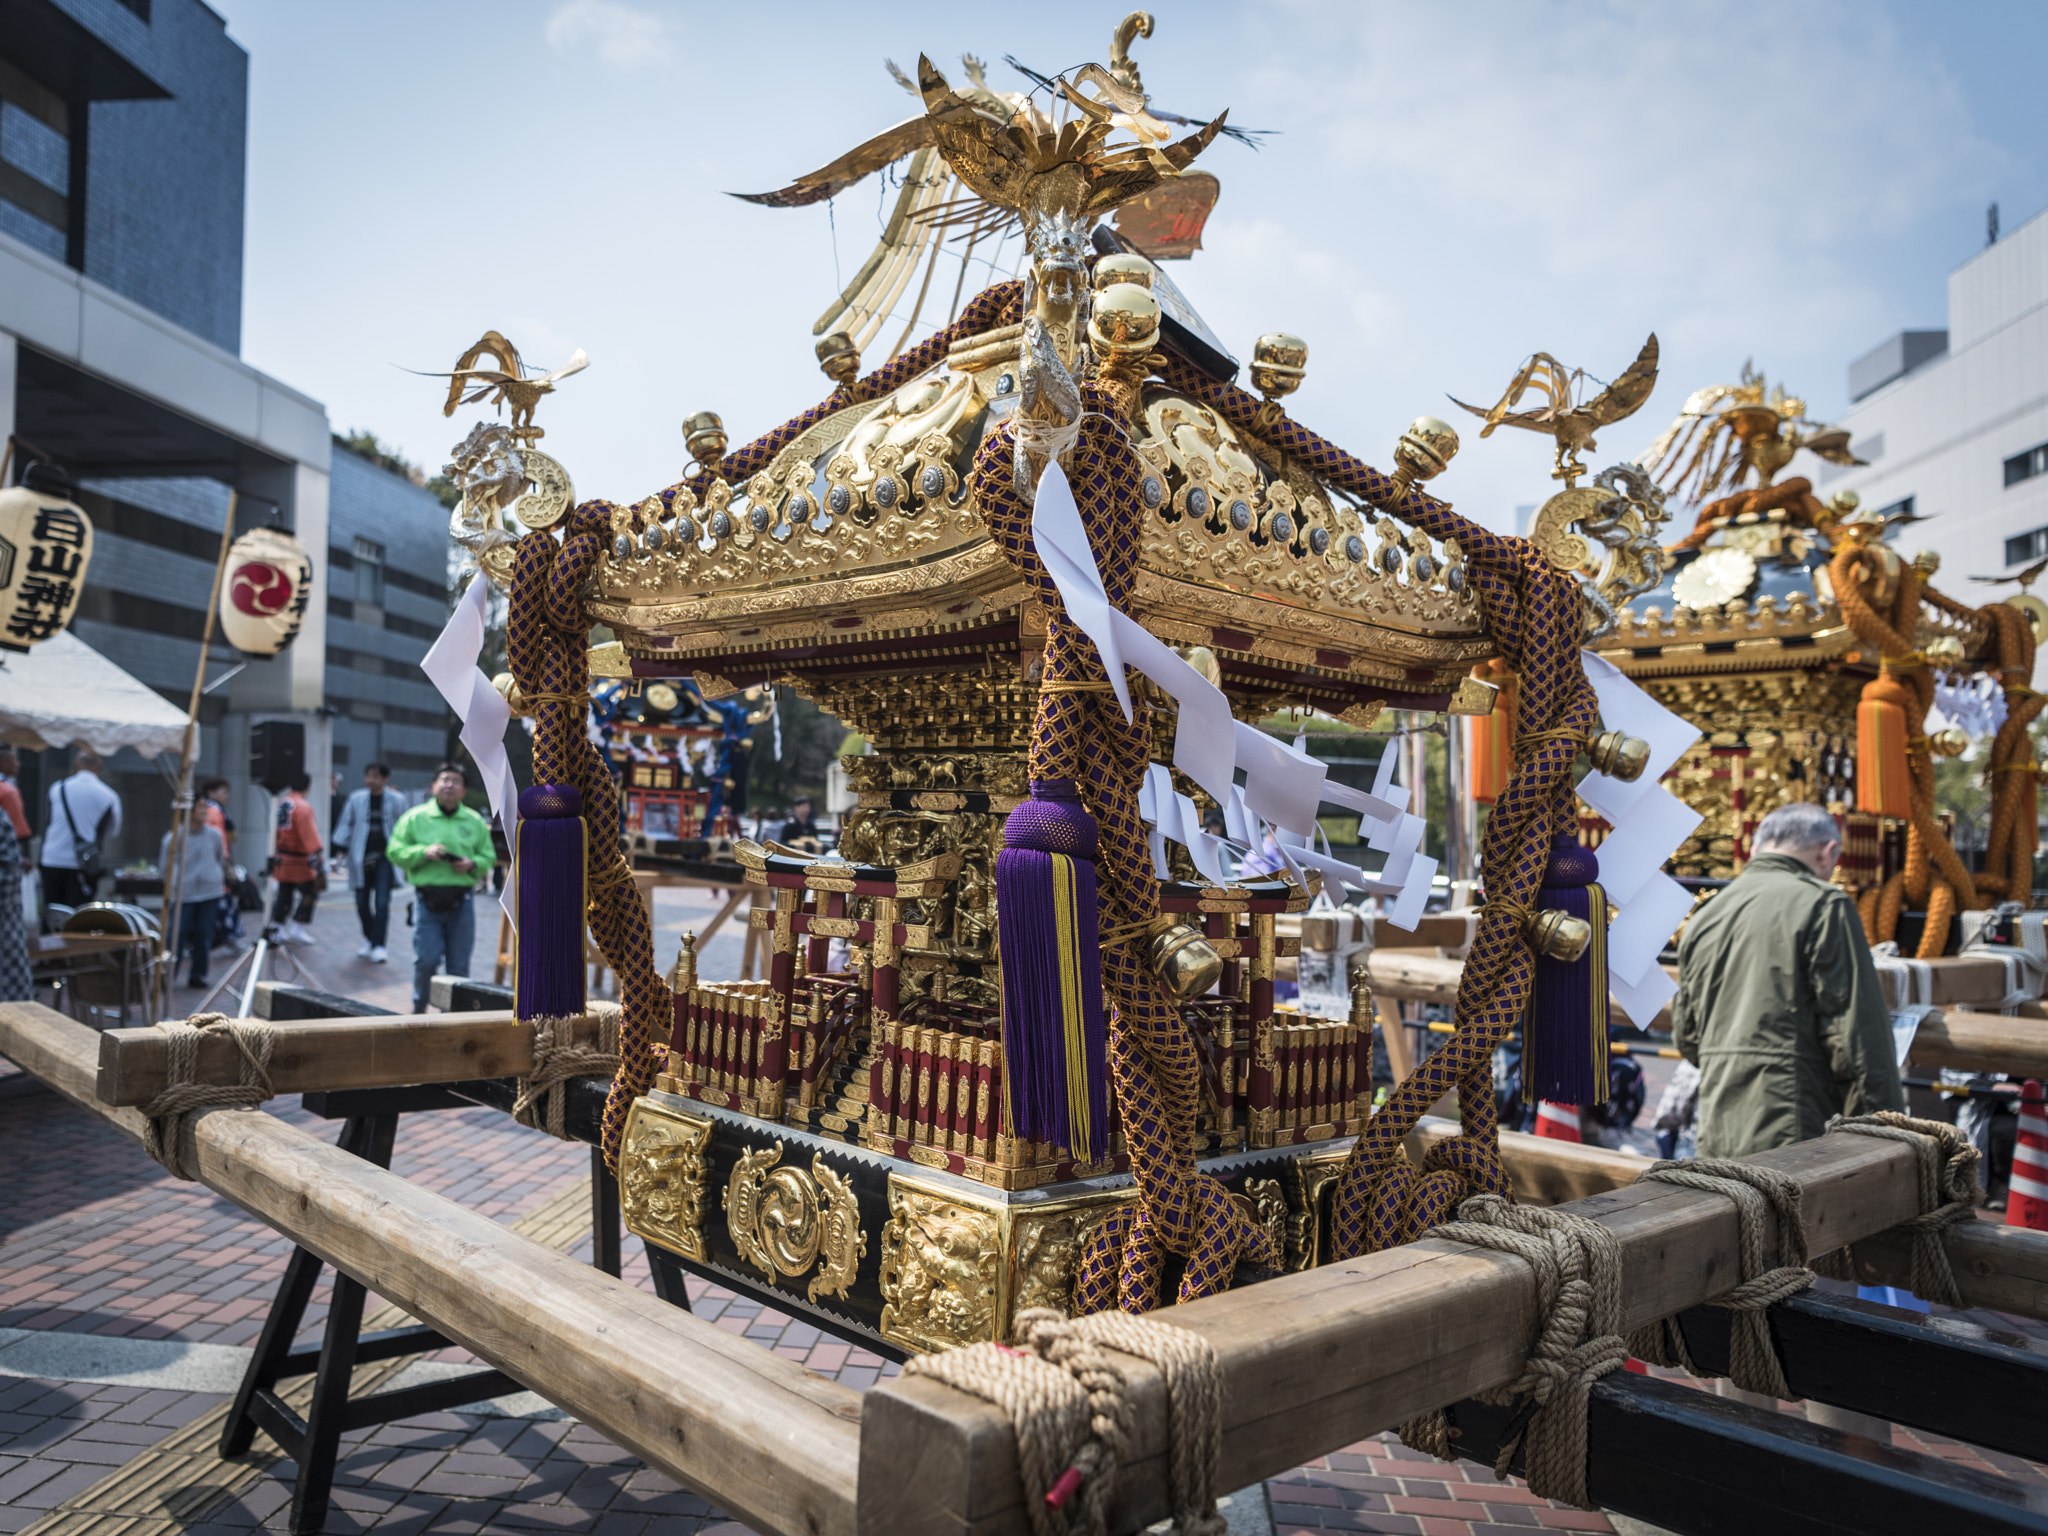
{"points": [[1447, 188]]}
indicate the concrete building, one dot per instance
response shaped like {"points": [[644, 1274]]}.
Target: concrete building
{"points": [[387, 599], [1955, 423], [123, 128]]}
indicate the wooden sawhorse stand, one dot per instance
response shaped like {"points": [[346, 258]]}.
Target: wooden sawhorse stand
{"points": [[314, 1442]]}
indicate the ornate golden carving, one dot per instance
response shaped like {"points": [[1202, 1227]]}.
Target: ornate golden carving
{"points": [[1044, 1253], [661, 1177], [1265, 1205], [785, 1220], [939, 1270]]}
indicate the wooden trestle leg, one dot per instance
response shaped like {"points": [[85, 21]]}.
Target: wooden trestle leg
{"points": [[314, 1442]]}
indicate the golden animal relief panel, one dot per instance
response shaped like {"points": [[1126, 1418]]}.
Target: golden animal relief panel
{"points": [[940, 1268], [661, 1177]]}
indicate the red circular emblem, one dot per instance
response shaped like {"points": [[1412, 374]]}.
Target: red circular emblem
{"points": [[260, 590]]}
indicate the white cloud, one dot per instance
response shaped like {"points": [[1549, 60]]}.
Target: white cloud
{"points": [[622, 37]]}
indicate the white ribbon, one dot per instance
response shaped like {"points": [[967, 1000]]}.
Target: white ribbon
{"points": [[451, 667], [1649, 824], [1283, 785]]}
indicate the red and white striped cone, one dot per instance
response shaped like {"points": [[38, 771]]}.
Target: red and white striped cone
{"points": [[2027, 1203], [1560, 1122]]}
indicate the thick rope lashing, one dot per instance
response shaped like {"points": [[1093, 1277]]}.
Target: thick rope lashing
{"points": [[1081, 734], [1763, 1197], [541, 1102], [1945, 1168], [1069, 1404], [169, 1114], [1536, 616], [1577, 1264]]}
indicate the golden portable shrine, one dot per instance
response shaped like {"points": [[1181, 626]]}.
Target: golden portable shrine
{"points": [[1082, 1094], [1018, 1053]]}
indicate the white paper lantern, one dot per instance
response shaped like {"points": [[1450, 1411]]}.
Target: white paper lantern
{"points": [[45, 547], [264, 594]]}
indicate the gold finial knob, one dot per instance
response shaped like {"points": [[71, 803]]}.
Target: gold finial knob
{"points": [[1125, 322], [1952, 742], [1944, 651], [1926, 562], [1364, 1007], [1557, 935], [704, 436], [1424, 451], [1124, 267], [1186, 964], [508, 690], [1844, 503], [839, 357], [1279, 363], [683, 975], [1619, 755]]}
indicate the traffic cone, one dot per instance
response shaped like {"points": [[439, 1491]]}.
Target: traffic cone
{"points": [[2026, 1205], [1560, 1122]]}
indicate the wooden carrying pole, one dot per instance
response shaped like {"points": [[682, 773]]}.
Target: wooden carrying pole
{"points": [[1317, 1360], [1312, 1361], [188, 764], [772, 1443]]}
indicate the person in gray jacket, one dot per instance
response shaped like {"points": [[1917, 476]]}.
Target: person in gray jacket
{"points": [[364, 829]]}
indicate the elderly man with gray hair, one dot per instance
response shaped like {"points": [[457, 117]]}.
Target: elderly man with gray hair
{"points": [[1778, 1001]]}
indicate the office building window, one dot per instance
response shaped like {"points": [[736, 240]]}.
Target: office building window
{"points": [[2024, 466], [2028, 546], [35, 163], [369, 560]]}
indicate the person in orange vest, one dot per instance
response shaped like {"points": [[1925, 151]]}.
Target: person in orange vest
{"points": [[296, 867]]}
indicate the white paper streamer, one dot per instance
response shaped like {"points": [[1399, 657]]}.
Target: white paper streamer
{"points": [[1284, 786], [1649, 824], [451, 667]]}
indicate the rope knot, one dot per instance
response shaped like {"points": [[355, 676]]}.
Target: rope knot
{"points": [[171, 1112], [1067, 1400], [1946, 1166], [1577, 1264], [541, 1105], [1767, 1278]]}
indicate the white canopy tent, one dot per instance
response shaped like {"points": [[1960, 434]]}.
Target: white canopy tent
{"points": [[65, 691]]}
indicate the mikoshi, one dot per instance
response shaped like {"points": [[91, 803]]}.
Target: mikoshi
{"points": [[1017, 1057]]}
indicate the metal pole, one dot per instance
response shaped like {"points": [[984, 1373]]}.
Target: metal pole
{"points": [[188, 763], [1461, 823]]}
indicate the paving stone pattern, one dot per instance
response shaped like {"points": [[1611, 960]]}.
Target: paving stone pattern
{"points": [[94, 1238]]}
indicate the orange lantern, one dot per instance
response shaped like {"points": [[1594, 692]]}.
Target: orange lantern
{"points": [[1491, 738], [263, 597]]}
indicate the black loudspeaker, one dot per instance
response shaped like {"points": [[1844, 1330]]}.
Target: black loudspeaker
{"points": [[277, 753]]}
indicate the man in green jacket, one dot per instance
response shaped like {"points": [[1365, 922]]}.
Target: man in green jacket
{"points": [[1778, 1001], [445, 850]]}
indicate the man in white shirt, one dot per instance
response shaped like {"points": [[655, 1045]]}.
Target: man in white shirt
{"points": [[84, 813]]}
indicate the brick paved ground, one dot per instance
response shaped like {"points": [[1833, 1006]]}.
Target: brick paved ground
{"points": [[96, 1239]]}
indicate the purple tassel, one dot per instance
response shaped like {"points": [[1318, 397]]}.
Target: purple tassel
{"points": [[1055, 1047], [1564, 1033], [548, 978]]}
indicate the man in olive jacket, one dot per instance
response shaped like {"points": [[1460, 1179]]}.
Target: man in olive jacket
{"points": [[1778, 1001]]}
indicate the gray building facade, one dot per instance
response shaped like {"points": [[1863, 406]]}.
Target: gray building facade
{"points": [[123, 149]]}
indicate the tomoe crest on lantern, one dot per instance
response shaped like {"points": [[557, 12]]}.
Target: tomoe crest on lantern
{"points": [[268, 584], [45, 547]]}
